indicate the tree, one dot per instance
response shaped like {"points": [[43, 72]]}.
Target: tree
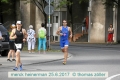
{"points": [[7, 10], [41, 5], [69, 3]]}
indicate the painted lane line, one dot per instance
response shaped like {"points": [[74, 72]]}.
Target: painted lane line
{"points": [[111, 77]]}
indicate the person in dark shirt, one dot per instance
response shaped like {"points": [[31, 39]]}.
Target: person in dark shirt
{"points": [[84, 26], [19, 35], [12, 47]]}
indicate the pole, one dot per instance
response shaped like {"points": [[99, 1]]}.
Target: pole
{"points": [[89, 27], [49, 24], [115, 22]]}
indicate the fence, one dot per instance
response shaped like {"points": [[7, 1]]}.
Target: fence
{"points": [[77, 28]]}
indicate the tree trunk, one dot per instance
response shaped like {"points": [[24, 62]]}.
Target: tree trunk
{"points": [[18, 12]]}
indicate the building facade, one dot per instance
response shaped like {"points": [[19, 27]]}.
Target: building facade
{"points": [[100, 17]]}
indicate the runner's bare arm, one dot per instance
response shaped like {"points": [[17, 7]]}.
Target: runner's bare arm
{"points": [[12, 35], [25, 34], [70, 32], [58, 31]]}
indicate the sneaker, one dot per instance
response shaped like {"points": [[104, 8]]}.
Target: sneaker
{"points": [[15, 68], [9, 60], [21, 67], [13, 60], [64, 63]]}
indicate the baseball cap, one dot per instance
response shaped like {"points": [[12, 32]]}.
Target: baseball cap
{"points": [[18, 22]]}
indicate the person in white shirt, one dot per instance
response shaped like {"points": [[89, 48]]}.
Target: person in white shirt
{"points": [[31, 39], [1, 39], [42, 38], [110, 34], [1, 35]]}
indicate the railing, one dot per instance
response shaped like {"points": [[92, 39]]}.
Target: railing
{"points": [[77, 28]]}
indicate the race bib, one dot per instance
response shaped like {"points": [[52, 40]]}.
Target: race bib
{"points": [[18, 46]]}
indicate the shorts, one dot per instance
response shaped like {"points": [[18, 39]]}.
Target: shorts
{"points": [[12, 46], [83, 28], [17, 47], [64, 43]]}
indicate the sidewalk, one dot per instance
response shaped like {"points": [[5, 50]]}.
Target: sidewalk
{"points": [[86, 44], [33, 58]]}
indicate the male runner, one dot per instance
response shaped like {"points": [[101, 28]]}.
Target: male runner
{"points": [[19, 34], [64, 31]]}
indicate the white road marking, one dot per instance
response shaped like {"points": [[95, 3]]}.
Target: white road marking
{"points": [[111, 77]]}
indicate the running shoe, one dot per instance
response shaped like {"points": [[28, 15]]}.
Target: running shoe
{"points": [[15, 68], [64, 63], [21, 67], [9, 60], [13, 60]]}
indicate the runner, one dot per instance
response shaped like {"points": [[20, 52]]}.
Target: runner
{"points": [[19, 34], [63, 31], [12, 47]]}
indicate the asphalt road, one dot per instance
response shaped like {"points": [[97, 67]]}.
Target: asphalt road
{"points": [[83, 58]]}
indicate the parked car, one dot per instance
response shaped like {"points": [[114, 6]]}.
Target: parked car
{"points": [[4, 43]]}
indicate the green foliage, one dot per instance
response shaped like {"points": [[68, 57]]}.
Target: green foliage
{"points": [[63, 3], [5, 1], [80, 1], [110, 3], [6, 9]]}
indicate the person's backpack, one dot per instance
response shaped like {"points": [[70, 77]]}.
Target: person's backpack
{"points": [[41, 33]]}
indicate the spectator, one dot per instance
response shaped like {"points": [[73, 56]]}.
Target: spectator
{"points": [[84, 27], [1, 39], [42, 38], [87, 23], [110, 34], [1, 36], [31, 39]]}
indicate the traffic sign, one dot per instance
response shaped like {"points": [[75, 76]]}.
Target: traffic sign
{"points": [[47, 9]]}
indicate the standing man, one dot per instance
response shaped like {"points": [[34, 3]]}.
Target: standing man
{"points": [[84, 27], [63, 31], [19, 34]]}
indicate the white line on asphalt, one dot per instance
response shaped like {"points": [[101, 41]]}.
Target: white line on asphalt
{"points": [[111, 77]]}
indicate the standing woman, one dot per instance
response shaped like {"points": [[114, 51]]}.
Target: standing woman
{"points": [[110, 34], [12, 47], [31, 39], [42, 38]]}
